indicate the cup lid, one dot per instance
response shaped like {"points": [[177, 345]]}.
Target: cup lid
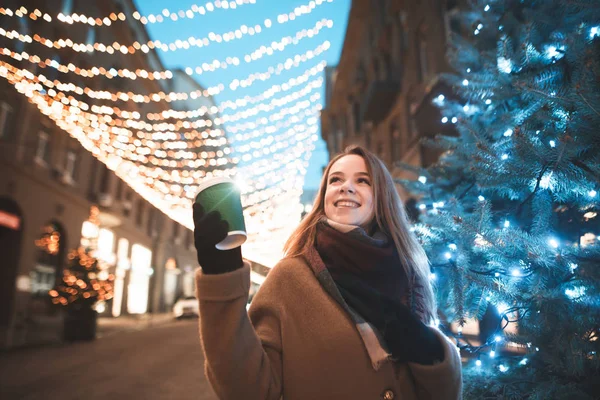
{"points": [[213, 181]]}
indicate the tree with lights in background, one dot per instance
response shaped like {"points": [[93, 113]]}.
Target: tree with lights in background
{"points": [[85, 283], [509, 212]]}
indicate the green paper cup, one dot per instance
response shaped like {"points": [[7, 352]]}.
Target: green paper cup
{"points": [[221, 194]]}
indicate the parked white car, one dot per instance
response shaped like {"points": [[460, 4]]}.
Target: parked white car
{"points": [[186, 307]]}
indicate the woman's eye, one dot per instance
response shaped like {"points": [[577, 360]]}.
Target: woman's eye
{"points": [[333, 179], [364, 180]]}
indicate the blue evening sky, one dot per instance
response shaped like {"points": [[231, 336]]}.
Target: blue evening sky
{"points": [[221, 21]]}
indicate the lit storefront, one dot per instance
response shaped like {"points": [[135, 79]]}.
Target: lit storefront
{"points": [[139, 279]]}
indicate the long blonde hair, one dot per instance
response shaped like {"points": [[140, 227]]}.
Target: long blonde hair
{"points": [[391, 219]]}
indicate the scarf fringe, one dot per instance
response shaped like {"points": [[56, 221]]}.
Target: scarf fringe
{"points": [[377, 353]]}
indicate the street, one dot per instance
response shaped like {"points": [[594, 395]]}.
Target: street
{"points": [[160, 362]]}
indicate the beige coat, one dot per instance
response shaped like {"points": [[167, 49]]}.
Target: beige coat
{"points": [[296, 343]]}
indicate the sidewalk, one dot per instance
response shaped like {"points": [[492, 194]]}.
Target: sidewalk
{"points": [[109, 325]]}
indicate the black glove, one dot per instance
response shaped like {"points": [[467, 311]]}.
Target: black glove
{"points": [[210, 229], [410, 339], [407, 338]]}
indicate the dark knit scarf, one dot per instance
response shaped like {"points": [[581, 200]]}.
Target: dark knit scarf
{"points": [[365, 276]]}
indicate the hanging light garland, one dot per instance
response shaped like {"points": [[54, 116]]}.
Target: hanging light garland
{"points": [[277, 102], [135, 123], [161, 75], [113, 17], [167, 131], [165, 15], [150, 150], [176, 45]]}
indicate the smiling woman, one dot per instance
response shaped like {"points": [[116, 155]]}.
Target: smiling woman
{"points": [[344, 315]]}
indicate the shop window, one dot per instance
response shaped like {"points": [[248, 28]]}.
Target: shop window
{"points": [[106, 244], [123, 265], [139, 279]]}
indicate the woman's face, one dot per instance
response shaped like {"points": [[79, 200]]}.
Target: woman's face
{"points": [[349, 194]]}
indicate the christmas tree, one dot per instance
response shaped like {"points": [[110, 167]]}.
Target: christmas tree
{"points": [[84, 282], [509, 212]]}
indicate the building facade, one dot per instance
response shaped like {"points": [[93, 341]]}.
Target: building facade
{"points": [[49, 183], [379, 95]]}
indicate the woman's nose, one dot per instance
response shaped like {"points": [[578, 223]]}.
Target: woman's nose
{"points": [[347, 187]]}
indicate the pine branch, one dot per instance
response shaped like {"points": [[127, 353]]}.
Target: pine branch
{"points": [[584, 167], [588, 103], [537, 185]]}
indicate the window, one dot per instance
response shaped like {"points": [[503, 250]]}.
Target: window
{"points": [[140, 213], [52, 72], [91, 36], [23, 30], [411, 127], [403, 18], [175, 232], [339, 141], [119, 192], [423, 59], [356, 117], [395, 143], [423, 56], [5, 119], [151, 220], [104, 179], [49, 245], [139, 279], [127, 204], [42, 279], [106, 246], [188, 239], [67, 7], [70, 163], [380, 150], [42, 152]]}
